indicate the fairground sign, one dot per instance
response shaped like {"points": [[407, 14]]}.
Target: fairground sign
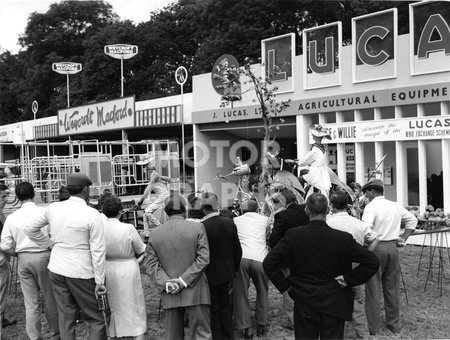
{"points": [[66, 67], [121, 51], [111, 115]]}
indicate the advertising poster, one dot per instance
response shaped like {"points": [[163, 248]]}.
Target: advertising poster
{"points": [[321, 56], [403, 129], [374, 46], [429, 27], [278, 59]]}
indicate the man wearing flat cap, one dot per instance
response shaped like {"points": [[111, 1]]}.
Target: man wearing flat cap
{"points": [[77, 260], [385, 217]]}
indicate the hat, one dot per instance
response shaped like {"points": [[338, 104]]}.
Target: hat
{"points": [[319, 131], [209, 199], [77, 178], [375, 183], [144, 159]]}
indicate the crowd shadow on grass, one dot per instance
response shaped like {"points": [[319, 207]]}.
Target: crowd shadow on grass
{"points": [[426, 316]]}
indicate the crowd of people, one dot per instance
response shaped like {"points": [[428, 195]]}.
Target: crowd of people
{"points": [[202, 260]]}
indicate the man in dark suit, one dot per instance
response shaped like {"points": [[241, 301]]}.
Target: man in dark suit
{"points": [[225, 257], [320, 260], [293, 216], [177, 255]]}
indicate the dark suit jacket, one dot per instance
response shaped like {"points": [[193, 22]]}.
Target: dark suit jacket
{"points": [[225, 250], [293, 216], [179, 248], [316, 255]]}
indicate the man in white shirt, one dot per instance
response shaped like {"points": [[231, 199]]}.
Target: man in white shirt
{"points": [[385, 218], [77, 261], [362, 234], [32, 263], [252, 229]]}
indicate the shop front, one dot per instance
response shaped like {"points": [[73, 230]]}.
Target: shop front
{"points": [[383, 95]]}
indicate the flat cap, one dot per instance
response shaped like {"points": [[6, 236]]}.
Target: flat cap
{"points": [[375, 183], [77, 178]]}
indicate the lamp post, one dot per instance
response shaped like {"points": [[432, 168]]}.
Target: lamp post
{"points": [[67, 68]]}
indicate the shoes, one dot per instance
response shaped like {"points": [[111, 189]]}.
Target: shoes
{"points": [[247, 333], [7, 323], [261, 330]]}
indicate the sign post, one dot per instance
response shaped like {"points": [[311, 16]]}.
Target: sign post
{"points": [[121, 51], [67, 68], [181, 76], [34, 108]]}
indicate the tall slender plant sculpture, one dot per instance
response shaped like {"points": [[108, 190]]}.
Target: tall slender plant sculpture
{"points": [[270, 108]]}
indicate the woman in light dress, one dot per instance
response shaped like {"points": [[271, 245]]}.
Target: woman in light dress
{"points": [[320, 176], [124, 251]]}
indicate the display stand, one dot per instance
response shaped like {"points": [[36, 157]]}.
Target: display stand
{"points": [[438, 240]]}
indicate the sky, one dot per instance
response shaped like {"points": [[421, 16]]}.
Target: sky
{"points": [[14, 15]]}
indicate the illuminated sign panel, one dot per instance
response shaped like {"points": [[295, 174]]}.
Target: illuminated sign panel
{"points": [[278, 59], [374, 46], [321, 56], [429, 37]]}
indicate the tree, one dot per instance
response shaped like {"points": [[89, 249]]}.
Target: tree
{"points": [[55, 36]]}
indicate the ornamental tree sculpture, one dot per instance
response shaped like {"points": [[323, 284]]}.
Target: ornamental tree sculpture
{"points": [[269, 108]]}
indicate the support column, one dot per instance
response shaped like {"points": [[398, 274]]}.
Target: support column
{"points": [[400, 167], [379, 147], [446, 162], [323, 121], [422, 151], [341, 157], [359, 155], [303, 123]]}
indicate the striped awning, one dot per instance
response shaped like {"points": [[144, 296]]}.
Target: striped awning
{"points": [[168, 115], [46, 131]]}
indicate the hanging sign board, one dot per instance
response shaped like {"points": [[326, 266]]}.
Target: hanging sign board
{"points": [[66, 67], [121, 51]]}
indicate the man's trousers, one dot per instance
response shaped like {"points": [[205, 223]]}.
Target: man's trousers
{"points": [[70, 293]]}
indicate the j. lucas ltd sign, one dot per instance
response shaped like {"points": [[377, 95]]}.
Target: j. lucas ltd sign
{"points": [[111, 115]]}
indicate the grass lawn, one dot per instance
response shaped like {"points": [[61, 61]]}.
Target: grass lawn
{"points": [[427, 316]]}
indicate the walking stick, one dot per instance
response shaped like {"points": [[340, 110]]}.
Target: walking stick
{"points": [[102, 306]]}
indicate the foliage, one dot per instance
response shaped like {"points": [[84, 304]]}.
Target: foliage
{"points": [[192, 33]]}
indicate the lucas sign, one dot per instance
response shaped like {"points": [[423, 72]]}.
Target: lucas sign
{"points": [[111, 115], [66, 67], [121, 51]]}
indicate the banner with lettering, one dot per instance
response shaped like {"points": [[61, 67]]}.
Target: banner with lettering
{"points": [[418, 128], [374, 46], [278, 59], [111, 115], [321, 56], [429, 36]]}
